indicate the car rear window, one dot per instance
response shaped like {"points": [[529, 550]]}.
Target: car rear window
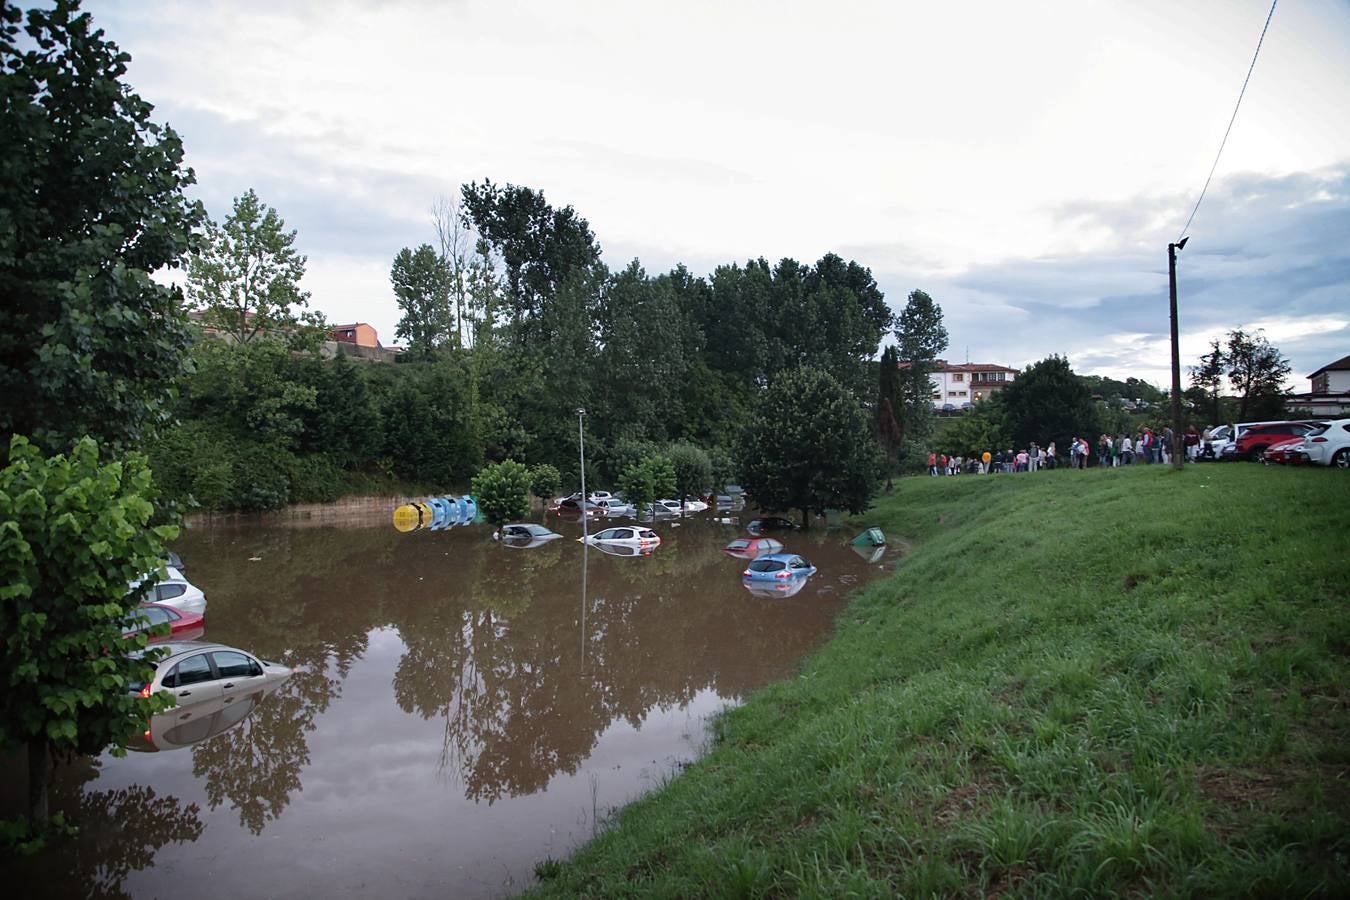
{"points": [[738, 545], [646, 533], [766, 565]]}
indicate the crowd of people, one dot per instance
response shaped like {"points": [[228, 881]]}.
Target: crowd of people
{"points": [[1144, 447]]}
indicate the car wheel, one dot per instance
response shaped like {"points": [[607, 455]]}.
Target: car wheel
{"points": [[1342, 458], [1257, 454]]}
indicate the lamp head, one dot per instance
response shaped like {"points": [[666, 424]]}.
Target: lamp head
{"points": [[1181, 244]]}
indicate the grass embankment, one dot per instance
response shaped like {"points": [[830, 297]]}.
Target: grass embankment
{"points": [[1090, 682]]}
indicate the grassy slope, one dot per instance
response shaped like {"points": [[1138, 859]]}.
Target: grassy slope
{"points": [[1123, 681]]}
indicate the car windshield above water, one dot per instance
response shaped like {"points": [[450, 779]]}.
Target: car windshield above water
{"points": [[767, 565]]}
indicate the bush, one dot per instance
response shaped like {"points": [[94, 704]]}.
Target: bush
{"points": [[503, 491], [315, 479]]}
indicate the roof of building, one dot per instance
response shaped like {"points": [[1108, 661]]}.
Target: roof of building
{"points": [[1340, 365], [352, 325], [944, 366]]}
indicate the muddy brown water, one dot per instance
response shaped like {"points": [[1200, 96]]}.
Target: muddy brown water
{"points": [[461, 709]]}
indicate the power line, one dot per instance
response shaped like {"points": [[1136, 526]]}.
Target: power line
{"points": [[1230, 121]]}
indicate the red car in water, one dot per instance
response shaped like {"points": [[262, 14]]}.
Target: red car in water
{"points": [[751, 547], [183, 625]]}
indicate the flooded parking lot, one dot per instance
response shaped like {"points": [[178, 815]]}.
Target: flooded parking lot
{"points": [[461, 709]]}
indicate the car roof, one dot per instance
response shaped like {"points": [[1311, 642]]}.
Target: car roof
{"points": [[782, 557], [181, 648]]}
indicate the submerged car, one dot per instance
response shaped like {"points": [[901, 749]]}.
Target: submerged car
{"points": [[625, 550], [613, 506], [172, 590], [776, 589], [522, 533], [751, 547], [769, 523], [200, 672], [777, 567], [183, 626], [632, 536], [572, 506]]}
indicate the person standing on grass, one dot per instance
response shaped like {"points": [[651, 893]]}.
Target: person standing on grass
{"points": [[1127, 450], [1073, 452], [1192, 440], [1033, 458], [1168, 441], [1050, 459], [932, 463], [1146, 444]]}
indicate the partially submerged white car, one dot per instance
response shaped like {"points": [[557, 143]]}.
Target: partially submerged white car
{"points": [[628, 535], [172, 590]]}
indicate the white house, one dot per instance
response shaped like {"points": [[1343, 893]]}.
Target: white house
{"points": [[1330, 394], [960, 385]]}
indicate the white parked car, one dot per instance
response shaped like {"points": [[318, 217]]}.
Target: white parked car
{"points": [[1330, 445], [201, 672], [629, 535], [597, 496], [173, 590]]}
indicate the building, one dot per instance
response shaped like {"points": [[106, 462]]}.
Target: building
{"points": [[1330, 394], [358, 333], [961, 385]]}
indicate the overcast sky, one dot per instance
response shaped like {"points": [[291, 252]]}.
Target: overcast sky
{"points": [[1025, 163]]}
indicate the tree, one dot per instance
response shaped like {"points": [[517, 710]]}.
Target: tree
{"points": [[1048, 402], [809, 447], [1207, 378], [693, 469], [421, 284], [1256, 372], [982, 427], [648, 481], [75, 533], [455, 241], [544, 481], [888, 433], [91, 203], [247, 275], [503, 491], [540, 248], [920, 338]]}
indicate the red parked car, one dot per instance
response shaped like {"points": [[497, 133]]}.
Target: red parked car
{"points": [[1253, 440], [183, 625], [1288, 452]]}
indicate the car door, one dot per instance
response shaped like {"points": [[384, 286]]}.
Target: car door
{"points": [[192, 681], [239, 673]]}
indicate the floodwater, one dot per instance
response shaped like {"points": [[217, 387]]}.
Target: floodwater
{"points": [[461, 709]]}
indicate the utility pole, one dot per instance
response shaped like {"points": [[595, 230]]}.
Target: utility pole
{"points": [[581, 444], [1176, 354]]}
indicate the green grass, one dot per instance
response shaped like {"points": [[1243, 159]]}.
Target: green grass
{"points": [[1125, 682]]}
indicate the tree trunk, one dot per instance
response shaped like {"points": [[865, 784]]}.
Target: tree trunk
{"points": [[806, 520], [38, 767]]}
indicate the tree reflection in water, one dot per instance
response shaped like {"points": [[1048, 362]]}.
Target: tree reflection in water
{"points": [[120, 832], [525, 689]]}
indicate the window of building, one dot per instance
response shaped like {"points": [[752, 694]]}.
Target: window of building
{"points": [[1001, 376], [960, 393], [958, 377]]}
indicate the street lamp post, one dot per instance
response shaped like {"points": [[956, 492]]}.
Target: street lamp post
{"points": [[581, 444], [1176, 352]]}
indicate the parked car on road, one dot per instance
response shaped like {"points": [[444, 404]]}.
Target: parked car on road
{"points": [[1288, 452], [631, 535], [751, 547], [1330, 444], [777, 567], [172, 590], [200, 672], [1254, 437], [183, 626]]}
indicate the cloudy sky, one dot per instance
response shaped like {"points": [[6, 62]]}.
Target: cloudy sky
{"points": [[1025, 163]]}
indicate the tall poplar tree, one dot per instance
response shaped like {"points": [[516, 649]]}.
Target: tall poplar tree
{"points": [[920, 337]]}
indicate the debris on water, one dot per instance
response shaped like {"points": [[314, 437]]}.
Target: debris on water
{"points": [[255, 559]]}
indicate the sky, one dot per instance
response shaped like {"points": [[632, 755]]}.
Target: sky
{"points": [[1024, 163]]}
